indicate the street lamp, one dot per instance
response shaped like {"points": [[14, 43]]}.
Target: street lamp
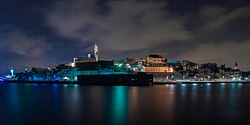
{"points": [[26, 69]]}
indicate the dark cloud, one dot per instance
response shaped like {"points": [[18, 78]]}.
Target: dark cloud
{"points": [[219, 17], [19, 49], [131, 28], [51, 32], [21, 44], [128, 25]]}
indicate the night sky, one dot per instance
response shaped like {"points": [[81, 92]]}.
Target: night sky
{"points": [[50, 32]]}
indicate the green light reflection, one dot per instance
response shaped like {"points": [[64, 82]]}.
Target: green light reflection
{"points": [[120, 105]]}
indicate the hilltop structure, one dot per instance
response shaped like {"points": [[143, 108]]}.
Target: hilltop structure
{"points": [[162, 69]]}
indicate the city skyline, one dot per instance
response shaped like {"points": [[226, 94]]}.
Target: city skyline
{"points": [[45, 33]]}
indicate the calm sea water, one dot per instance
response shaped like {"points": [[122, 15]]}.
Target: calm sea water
{"points": [[41, 104]]}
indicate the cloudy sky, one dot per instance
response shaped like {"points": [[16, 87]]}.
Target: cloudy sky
{"points": [[49, 32]]}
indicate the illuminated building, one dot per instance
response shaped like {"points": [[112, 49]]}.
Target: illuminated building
{"points": [[155, 60], [156, 65], [158, 69], [83, 60], [68, 74], [135, 61], [160, 73], [39, 74], [89, 58]]}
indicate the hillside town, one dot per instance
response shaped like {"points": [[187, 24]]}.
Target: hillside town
{"points": [[162, 69]]}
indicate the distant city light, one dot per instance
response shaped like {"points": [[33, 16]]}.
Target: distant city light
{"points": [[12, 72], [208, 83], [180, 71], [25, 69], [223, 83]]}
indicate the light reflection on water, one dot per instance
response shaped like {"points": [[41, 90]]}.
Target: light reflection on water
{"points": [[179, 104], [119, 105]]}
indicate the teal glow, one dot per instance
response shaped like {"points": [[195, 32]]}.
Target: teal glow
{"points": [[194, 84], [208, 84], [119, 105], [222, 83], [183, 84], [26, 69]]}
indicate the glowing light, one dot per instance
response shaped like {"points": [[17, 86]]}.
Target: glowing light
{"points": [[223, 83], [208, 84], [183, 84], [89, 55], [12, 72], [194, 84], [96, 52], [233, 78], [25, 69], [73, 64], [65, 78], [8, 76]]}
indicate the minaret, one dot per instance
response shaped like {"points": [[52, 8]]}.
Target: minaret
{"points": [[236, 66], [96, 53]]}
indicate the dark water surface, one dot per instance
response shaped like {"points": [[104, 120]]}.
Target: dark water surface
{"points": [[41, 104]]}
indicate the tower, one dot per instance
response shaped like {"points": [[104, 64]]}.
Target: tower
{"points": [[236, 66], [96, 53]]}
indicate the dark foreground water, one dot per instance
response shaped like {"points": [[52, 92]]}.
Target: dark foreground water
{"points": [[29, 104]]}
